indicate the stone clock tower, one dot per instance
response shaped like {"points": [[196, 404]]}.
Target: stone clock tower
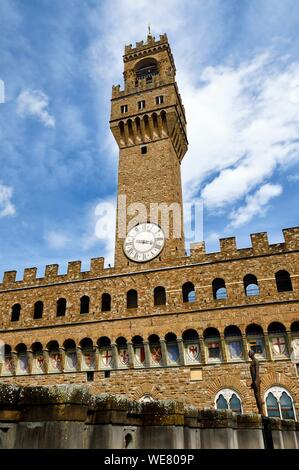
{"points": [[149, 125]]}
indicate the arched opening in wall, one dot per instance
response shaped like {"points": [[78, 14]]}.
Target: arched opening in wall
{"points": [[123, 353], [88, 354], [139, 351], [219, 289], [22, 359], [255, 339], [155, 125], [164, 123], [132, 299], [251, 286], [130, 131], [212, 343], [129, 441], [234, 343], [146, 127], [8, 367], [173, 354], [188, 291], [15, 312], [105, 352], [71, 360], [277, 338], [138, 129], [38, 360], [61, 307], [55, 361], [283, 281], [84, 304], [146, 398], [295, 341], [146, 69], [155, 350], [159, 296], [38, 310], [227, 399], [191, 346], [106, 302], [279, 403], [121, 127]]}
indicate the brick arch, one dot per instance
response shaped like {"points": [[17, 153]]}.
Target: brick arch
{"points": [[292, 321], [19, 341], [146, 389], [189, 327], [227, 382], [272, 379]]}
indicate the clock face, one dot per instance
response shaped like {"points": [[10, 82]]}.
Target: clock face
{"points": [[144, 242]]}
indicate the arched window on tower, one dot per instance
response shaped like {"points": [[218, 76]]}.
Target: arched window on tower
{"points": [[213, 344], [15, 312], [38, 310], [172, 348], [228, 399], [188, 291], [283, 281], [146, 69], [279, 403], [132, 299], [159, 296], [191, 346], [84, 304], [295, 340], [251, 286], [106, 302], [219, 289]]}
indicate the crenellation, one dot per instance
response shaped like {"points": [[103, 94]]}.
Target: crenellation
{"points": [[74, 269], [96, 266], [228, 246], [9, 278], [197, 251], [260, 243], [29, 275], [51, 271], [291, 236]]}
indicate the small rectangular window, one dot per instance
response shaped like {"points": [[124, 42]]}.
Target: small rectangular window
{"points": [[90, 376], [159, 99], [107, 374], [144, 150], [141, 104], [124, 108], [297, 368]]}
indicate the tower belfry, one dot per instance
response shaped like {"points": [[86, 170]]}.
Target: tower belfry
{"points": [[149, 125]]}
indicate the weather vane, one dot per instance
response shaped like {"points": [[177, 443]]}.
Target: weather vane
{"points": [[149, 29]]}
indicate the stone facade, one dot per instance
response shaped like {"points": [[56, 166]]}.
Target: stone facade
{"points": [[187, 340]]}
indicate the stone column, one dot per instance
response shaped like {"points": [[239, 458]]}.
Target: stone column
{"points": [[223, 348], [181, 351], [268, 349], [289, 342], [245, 347], [164, 352], [79, 357], [46, 361], [14, 357], [62, 359], [147, 354], [30, 361], [114, 352], [96, 358], [203, 352], [131, 355]]}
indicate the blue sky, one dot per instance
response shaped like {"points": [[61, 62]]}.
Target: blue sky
{"points": [[238, 72]]}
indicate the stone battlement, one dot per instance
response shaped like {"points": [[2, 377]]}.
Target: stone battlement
{"points": [[228, 251], [141, 45]]}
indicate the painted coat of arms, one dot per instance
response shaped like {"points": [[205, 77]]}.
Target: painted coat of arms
{"points": [[156, 354], [139, 354], [124, 357], [193, 352], [106, 357]]}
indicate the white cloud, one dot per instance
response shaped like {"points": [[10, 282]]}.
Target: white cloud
{"points": [[255, 204], [56, 240], [243, 124], [6, 206], [34, 103]]}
